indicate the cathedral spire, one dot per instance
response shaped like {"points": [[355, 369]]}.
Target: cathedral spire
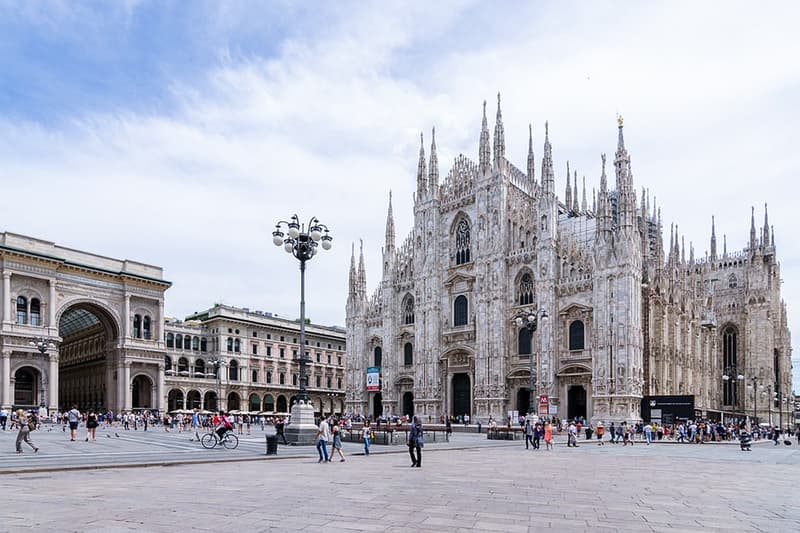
{"points": [[752, 230], [574, 190], [626, 197], [772, 243], [713, 240], [583, 198], [389, 243], [568, 192], [724, 245], [353, 277], [594, 201], [683, 249], [531, 162], [548, 178], [433, 171], [422, 175], [483, 155], [362, 274], [766, 227], [499, 138]]}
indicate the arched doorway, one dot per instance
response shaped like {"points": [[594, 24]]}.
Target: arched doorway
{"points": [[209, 400], [193, 400], [269, 403], [175, 400], [85, 369], [280, 406], [462, 404], [576, 402], [26, 388], [233, 402], [524, 401], [255, 403], [141, 393], [377, 405], [408, 403]]}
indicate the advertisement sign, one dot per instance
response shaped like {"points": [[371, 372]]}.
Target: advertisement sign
{"points": [[373, 378], [543, 403]]}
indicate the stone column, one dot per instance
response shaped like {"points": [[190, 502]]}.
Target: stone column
{"points": [[160, 324], [52, 378], [160, 401], [126, 330], [126, 381], [51, 306], [7, 297], [6, 379]]}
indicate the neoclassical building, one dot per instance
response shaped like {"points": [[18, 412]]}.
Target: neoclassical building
{"points": [[113, 347], [629, 318]]}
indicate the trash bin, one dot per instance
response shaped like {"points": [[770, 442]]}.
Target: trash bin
{"points": [[272, 444]]}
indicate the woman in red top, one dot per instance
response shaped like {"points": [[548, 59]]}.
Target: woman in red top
{"points": [[548, 436]]}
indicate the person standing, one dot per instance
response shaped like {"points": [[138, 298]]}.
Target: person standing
{"points": [[537, 435], [91, 425], [74, 416], [323, 435], [572, 435], [25, 426], [280, 424], [528, 433], [648, 433], [600, 431], [3, 418], [548, 436], [366, 435], [416, 440]]}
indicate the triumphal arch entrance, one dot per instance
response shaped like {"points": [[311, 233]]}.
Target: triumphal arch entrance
{"points": [[98, 320]]}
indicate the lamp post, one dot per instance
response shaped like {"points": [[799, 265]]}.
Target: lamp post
{"points": [[771, 400], [43, 345], [529, 319], [218, 363], [302, 241]]}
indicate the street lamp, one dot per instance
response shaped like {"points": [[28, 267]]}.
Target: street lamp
{"points": [[218, 363], [529, 319], [42, 345], [302, 241]]}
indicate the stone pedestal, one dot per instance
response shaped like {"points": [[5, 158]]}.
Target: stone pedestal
{"points": [[301, 431]]}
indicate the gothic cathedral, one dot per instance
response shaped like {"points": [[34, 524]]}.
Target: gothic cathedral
{"points": [[627, 319]]}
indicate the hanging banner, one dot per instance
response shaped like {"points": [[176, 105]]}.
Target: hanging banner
{"points": [[373, 378]]}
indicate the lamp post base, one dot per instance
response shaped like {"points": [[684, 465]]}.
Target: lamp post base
{"points": [[302, 431]]}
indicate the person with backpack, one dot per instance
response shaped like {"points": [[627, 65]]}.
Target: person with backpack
{"points": [[26, 425], [225, 425], [74, 417]]}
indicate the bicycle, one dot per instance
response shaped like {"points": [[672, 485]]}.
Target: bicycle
{"points": [[228, 440]]}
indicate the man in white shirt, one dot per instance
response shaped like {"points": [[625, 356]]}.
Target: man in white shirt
{"points": [[323, 436], [3, 418]]}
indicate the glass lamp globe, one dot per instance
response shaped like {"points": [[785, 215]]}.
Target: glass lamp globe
{"points": [[518, 321], [288, 246], [294, 230], [326, 242], [277, 238], [315, 234]]}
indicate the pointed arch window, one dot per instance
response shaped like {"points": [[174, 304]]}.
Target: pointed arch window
{"points": [[408, 354], [525, 290], [729, 361], [576, 335], [732, 281], [378, 356], [524, 341], [408, 310], [463, 242], [36, 312], [460, 308]]}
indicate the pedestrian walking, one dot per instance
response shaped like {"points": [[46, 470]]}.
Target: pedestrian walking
{"points": [[416, 441], [26, 425], [528, 433], [337, 443], [648, 433], [366, 436], [600, 431], [91, 426], [280, 425], [74, 416], [323, 435], [3, 418]]}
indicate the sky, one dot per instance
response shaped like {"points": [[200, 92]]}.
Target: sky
{"points": [[178, 134]]}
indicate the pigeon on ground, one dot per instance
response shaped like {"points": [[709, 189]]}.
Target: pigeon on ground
{"points": [[116, 434], [109, 436]]}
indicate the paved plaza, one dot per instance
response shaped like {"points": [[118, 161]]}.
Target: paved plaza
{"points": [[469, 484]]}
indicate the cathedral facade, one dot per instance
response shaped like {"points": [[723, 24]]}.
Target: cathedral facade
{"points": [[628, 317]]}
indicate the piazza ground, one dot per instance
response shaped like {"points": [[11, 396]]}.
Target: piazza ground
{"points": [[469, 484]]}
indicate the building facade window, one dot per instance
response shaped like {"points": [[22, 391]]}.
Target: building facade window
{"points": [[378, 356], [524, 341], [137, 326], [36, 313], [576, 335], [463, 242], [170, 340], [146, 327], [233, 371], [408, 310], [460, 315], [408, 354], [525, 290]]}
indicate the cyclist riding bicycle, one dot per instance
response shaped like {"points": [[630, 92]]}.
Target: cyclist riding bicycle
{"points": [[225, 425]]}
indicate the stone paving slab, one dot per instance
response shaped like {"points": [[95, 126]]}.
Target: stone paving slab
{"points": [[495, 488]]}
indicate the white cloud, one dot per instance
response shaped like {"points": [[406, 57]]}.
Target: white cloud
{"points": [[328, 125]]}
